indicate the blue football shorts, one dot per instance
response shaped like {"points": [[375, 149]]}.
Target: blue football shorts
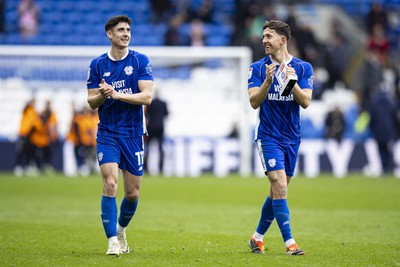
{"points": [[278, 156], [127, 152]]}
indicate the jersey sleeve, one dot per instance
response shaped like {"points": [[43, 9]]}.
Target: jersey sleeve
{"points": [[306, 81], [145, 68], [93, 79], [254, 76]]}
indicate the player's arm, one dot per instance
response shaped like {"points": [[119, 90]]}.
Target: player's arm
{"points": [[95, 98], [301, 96], [144, 97], [257, 95]]}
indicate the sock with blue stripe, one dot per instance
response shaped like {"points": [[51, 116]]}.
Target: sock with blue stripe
{"points": [[282, 216], [109, 214], [267, 217], [127, 211]]}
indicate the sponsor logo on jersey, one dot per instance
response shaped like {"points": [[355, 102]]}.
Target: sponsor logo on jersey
{"points": [[149, 69], [88, 76], [311, 81], [106, 74], [128, 70], [249, 73]]}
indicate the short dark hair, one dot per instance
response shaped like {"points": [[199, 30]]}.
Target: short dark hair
{"points": [[280, 27], [113, 21]]}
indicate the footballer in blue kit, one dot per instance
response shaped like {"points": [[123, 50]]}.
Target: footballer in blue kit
{"points": [[120, 83], [277, 132]]}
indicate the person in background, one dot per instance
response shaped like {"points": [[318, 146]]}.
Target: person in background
{"points": [[334, 124], [383, 125], [28, 17], [49, 120], [278, 132], [156, 113], [24, 148], [120, 83]]}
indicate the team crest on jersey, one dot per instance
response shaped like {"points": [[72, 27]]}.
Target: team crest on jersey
{"points": [[100, 156], [149, 69], [128, 70], [249, 73], [272, 162]]}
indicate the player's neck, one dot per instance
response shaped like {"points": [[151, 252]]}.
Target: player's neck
{"points": [[281, 56], [118, 53]]}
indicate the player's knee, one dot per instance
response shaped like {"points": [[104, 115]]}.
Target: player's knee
{"points": [[132, 196]]}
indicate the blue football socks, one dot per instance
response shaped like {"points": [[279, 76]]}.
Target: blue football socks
{"points": [[109, 215], [282, 216], [127, 211], [267, 217]]}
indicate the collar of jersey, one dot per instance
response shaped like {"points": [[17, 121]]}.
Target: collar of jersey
{"points": [[113, 59], [286, 62]]}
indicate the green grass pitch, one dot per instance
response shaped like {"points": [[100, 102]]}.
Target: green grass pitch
{"points": [[205, 221]]}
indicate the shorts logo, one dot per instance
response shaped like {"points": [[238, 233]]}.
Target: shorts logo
{"points": [[128, 70], [100, 156], [272, 162]]}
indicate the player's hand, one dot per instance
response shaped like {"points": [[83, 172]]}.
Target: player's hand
{"points": [[270, 71], [290, 71], [105, 89]]}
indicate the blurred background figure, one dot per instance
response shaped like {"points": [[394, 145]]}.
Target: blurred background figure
{"points": [[49, 120], [30, 142], [28, 17], [383, 125], [156, 114], [2, 15], [82, 135], [197, 34], [334, 124]]}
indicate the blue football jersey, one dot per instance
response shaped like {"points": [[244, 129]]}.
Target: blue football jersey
{"points": [[279, 116], [118, 118]]}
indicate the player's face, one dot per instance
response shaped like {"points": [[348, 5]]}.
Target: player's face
{"points": [[120, 35], [271, 41]]}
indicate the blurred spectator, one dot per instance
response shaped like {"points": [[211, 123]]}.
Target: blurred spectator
{"points": [[81, 134], [372, 76], [377, 41], [161, 10], [2, 15], [336, 56], [334, 124], [173, 35], [29, 142], [376, 15], [200, 10], [24, 149], [28, 17], [383, 126], [197, 35], [49, 121], [156, 114]]}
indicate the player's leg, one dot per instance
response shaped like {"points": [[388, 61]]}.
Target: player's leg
{"points": [[108, 157], [132, 170], [279, 184], [109, 211], [256, 242]]}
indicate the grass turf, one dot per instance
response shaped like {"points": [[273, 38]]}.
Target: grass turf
{"points": [[55, 221]]}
